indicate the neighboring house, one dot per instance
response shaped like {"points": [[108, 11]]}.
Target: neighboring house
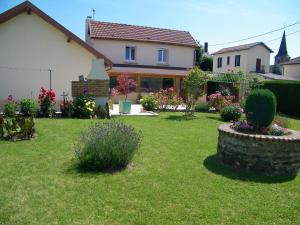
{"points": [[156, 58], [31, 42], [254, 57], [291, 69]]}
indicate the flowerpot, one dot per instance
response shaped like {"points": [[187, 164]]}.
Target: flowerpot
{"points": [[125, 106]]}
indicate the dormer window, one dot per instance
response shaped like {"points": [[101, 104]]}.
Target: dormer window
{"points": [[162, 55], [130, 53]]}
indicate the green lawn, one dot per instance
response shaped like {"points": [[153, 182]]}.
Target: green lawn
{"points": [[174, 179]]}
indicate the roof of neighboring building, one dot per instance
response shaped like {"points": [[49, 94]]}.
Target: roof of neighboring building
{"points": [[283, 49], [293, 61], [29, 8], [116, 31], [241, 48]]}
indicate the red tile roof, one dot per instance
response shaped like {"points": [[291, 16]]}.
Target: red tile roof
{"points": [[241, 48], [116, 31]]}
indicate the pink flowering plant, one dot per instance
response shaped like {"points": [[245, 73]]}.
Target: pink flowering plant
{"points": [[218, 101], [125, 85], [46, 99], [168, 98], [10, 106]]}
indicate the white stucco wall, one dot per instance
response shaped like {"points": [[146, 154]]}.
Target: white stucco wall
{"points": [[292, 71], [225, 67], [28, 44], [248, 60], [146, 53]]}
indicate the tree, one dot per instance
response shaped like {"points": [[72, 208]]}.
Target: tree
{"points": [[199, 52], [194, 85], [206, 63]]}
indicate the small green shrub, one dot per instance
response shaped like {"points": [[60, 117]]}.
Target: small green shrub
{"points": [[107, 145], [231, 113], [149, 102], [260, 108], [202, 107], [103, 112], [28, 107], [10, 109], [17, 128], [84, 106]]}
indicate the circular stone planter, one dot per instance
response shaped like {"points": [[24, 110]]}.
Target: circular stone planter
{"points": [[262, 154]]}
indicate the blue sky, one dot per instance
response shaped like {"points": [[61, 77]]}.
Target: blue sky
{"points": [[214, 21]]}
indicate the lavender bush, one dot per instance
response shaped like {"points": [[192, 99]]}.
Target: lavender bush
{"points": [[107, 145]]}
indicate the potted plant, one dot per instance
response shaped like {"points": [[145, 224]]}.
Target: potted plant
{"points": [[124, 86]]}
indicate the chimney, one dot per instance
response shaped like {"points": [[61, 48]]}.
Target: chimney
{"points": [[87, 29], [206, 47]]}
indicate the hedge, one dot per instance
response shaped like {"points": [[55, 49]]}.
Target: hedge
{"points": [[287, 94]]}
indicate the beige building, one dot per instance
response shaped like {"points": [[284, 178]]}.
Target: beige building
{"points": [[154, 57], [31, 43], [254, 57], [291, 69]]}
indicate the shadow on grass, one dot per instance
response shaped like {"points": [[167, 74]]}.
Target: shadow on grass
{"points": [[217, 118], [74, 168], [212, 164], [180, 117]]}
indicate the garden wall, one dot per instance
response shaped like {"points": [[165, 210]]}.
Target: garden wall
{"points": [[287, 94]]}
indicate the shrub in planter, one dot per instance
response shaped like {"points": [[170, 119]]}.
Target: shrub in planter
{"points": [[46, 100], [18, 128], [10, 107], [28, 107], [149, 102], [202, 107], [231, 113], [107, 145], [260, 108], [84, 106]]}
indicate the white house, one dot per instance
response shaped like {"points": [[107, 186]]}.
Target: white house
{"points": [[154, 57], [254, 57], [31, 43], [291, 69]]}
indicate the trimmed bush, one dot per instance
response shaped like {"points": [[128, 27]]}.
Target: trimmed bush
{"points": [[28, 107], [202, 107], [149, 103], [260, 108], [231, 113], [107, 145], [287, 94]]}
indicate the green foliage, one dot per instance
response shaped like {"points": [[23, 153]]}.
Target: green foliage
{"points": [[206, 63], [199, 53], [28, 107], [149, 102], [17, 128], [10, 109], [260, 108], [287, 94], [84, 106], [277, 69], [103, 112], [107, 145], [194, 84], [231, 113], [202, 107], [281, 121]]}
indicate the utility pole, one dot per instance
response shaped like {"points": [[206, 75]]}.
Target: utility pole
{"points": [[50, 73]]}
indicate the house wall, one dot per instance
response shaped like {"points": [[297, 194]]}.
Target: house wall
{"points": [[225, 67], [261, 52], [146, 53], [248, 60], [29, 46], [292, 71]]}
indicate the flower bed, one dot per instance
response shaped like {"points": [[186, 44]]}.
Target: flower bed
{"points": [[263, 154]]}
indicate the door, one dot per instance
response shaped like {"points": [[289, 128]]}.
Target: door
{"points": [[258, 65]]}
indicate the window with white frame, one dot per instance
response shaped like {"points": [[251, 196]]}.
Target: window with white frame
{"points": [[130, 53], [163, 55]]}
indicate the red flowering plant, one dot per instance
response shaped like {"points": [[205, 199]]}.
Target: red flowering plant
{"points": [[46, 100], [219, 101], [167, 98], [10, 106], [125, 85]]}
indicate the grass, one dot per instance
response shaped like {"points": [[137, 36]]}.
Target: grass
{"points": [[173, 179]]}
